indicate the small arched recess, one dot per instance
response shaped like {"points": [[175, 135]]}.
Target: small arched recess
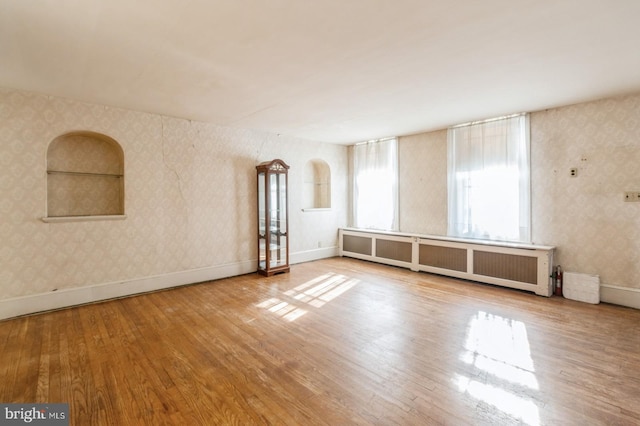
{"points": [[317, 185], [85, 177]]}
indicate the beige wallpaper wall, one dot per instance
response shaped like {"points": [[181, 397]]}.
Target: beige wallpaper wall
{"points": [[422, 180], [585, 216], [189, 194]]}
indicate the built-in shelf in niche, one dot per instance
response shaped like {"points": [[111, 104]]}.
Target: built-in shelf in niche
{"points": [[85, 178], [317, 186]]}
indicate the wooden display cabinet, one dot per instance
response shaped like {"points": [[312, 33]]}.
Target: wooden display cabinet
{"points": [[273, 223]]}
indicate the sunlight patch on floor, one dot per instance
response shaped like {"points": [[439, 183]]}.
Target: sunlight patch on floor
{"points": [[315, 293]]}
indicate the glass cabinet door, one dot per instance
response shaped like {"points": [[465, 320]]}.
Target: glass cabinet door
{"points": [[262, 223], [273, 235]]}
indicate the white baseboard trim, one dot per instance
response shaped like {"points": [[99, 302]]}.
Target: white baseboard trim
{"points": [[24, 305], [315, 254], [623, 296]]}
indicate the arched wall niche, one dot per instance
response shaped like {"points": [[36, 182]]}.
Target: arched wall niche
{"points": [[85, 176], [317, 185]]}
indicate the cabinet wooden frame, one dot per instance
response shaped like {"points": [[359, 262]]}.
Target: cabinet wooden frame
{"points": [[273, 217]]}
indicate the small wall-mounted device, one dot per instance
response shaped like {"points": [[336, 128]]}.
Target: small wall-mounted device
{"points": [[631, 196], [573, 172]]}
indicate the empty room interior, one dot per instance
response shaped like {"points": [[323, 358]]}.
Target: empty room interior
{"points": [[332, 213]]}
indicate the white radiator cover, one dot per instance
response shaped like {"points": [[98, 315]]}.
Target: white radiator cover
{"points": [[581, 287], [522, 266]]}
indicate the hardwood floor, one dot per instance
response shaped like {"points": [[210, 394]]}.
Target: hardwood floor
{"points": [[337, 341]]}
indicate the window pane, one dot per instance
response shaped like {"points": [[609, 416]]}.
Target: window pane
{"points": [[489, 190], [375, 185]]}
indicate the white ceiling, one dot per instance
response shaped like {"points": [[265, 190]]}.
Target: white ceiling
{"points": [[338, 71]]}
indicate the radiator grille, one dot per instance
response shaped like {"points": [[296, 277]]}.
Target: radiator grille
{"points": [[507, 266], [353, 244], [451, 258], [395, 250]]}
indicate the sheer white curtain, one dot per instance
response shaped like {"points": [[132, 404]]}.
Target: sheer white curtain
{"points": [[375, 185], [489, 180]]}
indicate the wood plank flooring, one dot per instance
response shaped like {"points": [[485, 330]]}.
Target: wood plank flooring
{"points": [[334, 342]]}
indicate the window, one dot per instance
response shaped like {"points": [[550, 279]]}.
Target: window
{"points": [[375, 185], [488, 173]]}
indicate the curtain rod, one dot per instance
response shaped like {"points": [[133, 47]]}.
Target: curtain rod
{"points": [[488, 120], [376, 140]]}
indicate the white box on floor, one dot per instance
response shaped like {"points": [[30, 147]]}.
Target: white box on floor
{"points": [[581, 287]]}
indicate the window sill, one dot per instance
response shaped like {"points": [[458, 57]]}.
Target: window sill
{"points": [[60, 219]]}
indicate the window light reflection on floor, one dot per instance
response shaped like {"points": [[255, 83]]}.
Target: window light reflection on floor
{"points": [[316, 293], [516, 406], [499, 349]]}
